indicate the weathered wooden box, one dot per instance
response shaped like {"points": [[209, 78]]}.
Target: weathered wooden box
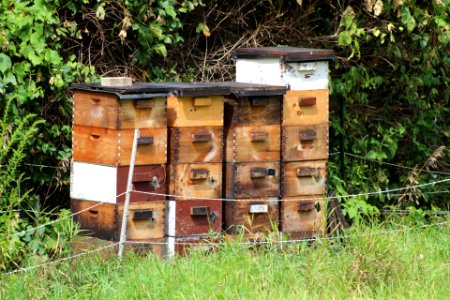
{"points": [[106, 109], [252, 179], [253, 143], [303, 216], [188, 217], [305, 107], [105, 183], [304, 178], [145, 219], [251, 215], [196, 144], [202, 180], [296, 68], [306, 142], [204, 110], [113, 147], [254, 110]]}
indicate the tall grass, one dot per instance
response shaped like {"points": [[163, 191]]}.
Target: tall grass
{"points": [[373, 262]]}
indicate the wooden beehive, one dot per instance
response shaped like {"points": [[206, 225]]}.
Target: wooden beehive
{"points": [[113, 147], [252, 156], [195, 120], [194, 217], [304, 125], [196, 144], [94, 182], [296, 68], [303, 216], [202, 180], [251, 215], [252, 180], [145, 219], [103, 131]]}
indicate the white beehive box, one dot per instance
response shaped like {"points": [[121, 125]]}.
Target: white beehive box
{"points": [[295, 68]]}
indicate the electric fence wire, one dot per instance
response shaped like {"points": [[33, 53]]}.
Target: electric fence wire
{"points": [[22, 232], [250, 243], [386, 191], [225, 199], [395, 165], [60, 260]]}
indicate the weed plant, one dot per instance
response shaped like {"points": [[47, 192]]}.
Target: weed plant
{"points": [[383, 261]]}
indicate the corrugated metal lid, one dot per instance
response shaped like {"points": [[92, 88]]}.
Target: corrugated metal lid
{"points": [[148, 90], [285, 53]]}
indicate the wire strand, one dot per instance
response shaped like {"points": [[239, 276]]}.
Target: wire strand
{"points": [[395, 165], [59, 260], [295, 199]]}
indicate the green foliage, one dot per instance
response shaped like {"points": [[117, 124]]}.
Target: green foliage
{"points": [[374, 262], [17, 242], [394, 79]]}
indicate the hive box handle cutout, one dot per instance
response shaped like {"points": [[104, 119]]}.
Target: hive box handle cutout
{"points": [[307, 135], [259, 136], [306, 206], [307, 172], [201, 137], [199, 174], [199, 211], [145, 140], [142, 177], [310, 101], [143, 215], [262, 172]]}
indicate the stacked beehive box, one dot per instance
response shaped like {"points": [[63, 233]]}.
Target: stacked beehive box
{"points": [[252, 157], [103, 131], [195, 120], [304, 136]]}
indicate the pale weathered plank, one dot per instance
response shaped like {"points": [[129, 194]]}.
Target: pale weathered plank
{"points": [[189, 112], [305, 107], [252, 179], [196, 144], [303, 216], [145, 220], [202, 180], [241, 217], [306, 142], [304, 178], [253, 143], [113, 147]]}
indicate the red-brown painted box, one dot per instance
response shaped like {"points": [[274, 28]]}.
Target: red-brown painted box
{"points": [[150, 179], [194, 217]]}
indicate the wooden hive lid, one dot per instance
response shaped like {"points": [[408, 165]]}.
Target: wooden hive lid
{"points": [[287, 54], [240, 89], [198, 89]]}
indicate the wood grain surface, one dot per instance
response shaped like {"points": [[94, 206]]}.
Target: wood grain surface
{"points": [[238, 217], [195, 144], [253, 143], [202, 180], [191, 111], [303, 216], [304, 178], [305, 107], [306, 142]]}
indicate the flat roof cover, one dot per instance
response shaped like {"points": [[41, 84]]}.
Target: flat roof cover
{"points": [[183, 89], [288, 54]]}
